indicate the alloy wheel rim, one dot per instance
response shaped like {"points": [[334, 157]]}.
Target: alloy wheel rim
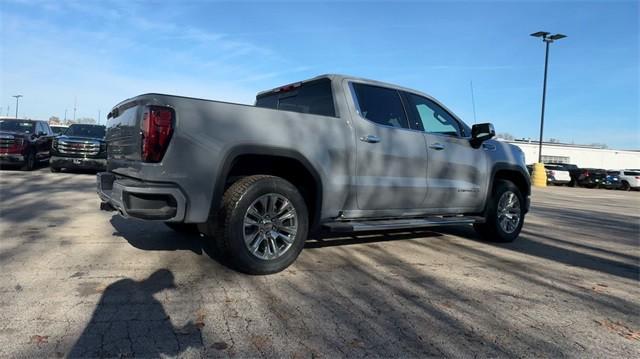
{"points": [[509, 212], [270, 226]]}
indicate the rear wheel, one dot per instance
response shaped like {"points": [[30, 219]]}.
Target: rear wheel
{"points": [[625, 186], [505, 214], [262, 225]]}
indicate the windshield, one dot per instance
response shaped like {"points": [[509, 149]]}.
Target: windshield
{"points": [[58, 130], [17, 126], [93, 131]]}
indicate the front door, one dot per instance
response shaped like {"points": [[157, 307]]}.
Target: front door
{"points": [[457, 173], [391, 160]]}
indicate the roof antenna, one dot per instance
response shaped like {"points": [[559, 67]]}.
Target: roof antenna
{"points": [[473, 103]]}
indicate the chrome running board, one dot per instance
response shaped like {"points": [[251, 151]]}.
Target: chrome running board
{"points": [[389, 224]]}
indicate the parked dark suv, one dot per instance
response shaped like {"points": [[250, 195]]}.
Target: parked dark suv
{"points": [[592, 177], [24, 143], [81, 147]]}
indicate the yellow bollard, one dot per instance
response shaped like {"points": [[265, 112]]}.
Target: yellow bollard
{"points": [[539, 175]]}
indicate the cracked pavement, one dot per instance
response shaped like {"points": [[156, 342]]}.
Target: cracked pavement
{"points": [[78, 282]]}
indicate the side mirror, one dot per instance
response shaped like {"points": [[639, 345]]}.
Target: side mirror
{"points": [[481, 132], [42, 133]]}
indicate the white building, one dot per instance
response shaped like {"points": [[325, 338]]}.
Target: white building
{"points": [[581, 155]]}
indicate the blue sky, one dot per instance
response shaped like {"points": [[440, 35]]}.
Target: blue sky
{"points": [[105, 51]]}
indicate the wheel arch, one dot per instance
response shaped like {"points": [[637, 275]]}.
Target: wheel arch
{"points": [[513, 173], [291, 165]]}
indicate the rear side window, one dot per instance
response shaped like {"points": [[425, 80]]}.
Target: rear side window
{"points": [[631, 173], [313, 97], [380, 105]]}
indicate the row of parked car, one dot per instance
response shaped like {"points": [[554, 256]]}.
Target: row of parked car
{"points": [[571, 175], [28, 143]]}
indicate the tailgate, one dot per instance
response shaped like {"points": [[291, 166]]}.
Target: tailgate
{"points": [[123, 132]]}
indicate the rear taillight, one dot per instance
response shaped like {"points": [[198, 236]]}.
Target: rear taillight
{"points": [[157, 128], [638, 177], [585, 173]]}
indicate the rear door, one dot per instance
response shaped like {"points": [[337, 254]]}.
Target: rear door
{"points": [[390, 157], [457, 173]]}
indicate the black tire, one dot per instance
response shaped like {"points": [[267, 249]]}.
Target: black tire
{"points": [[228, 224], [29, 162], [625, 186], [186, 228], [54, 169], [491, 229]]}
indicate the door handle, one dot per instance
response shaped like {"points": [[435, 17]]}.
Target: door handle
{"points": [[436, 146], [370, 139]]}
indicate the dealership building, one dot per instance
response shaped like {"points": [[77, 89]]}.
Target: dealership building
{"points": [[584, 156]]}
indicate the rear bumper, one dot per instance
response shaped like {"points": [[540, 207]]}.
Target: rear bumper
{"points": [[11, 159], [554, 180], [139, 199], [79, 163]]}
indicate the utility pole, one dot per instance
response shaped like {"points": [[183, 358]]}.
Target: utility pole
{"points": [[98, 117], [17, 103], [75, 102], [65, 116]]}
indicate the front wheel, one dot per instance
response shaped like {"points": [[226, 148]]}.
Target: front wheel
{"points": [[29, 162], [505, 214], [262, 225]]}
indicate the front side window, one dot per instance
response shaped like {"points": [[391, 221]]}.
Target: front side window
{"points": [[47, 129], [432, 118], [40, 128], [380, 105]]}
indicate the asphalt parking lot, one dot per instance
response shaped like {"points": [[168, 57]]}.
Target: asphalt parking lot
{"points": [[75, 281]]}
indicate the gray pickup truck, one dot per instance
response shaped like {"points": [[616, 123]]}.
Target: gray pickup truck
{"points": [[333, 153]]}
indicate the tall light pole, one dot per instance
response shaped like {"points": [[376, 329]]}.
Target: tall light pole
{"points": [[17, 99], [547, 39], [539, 175]]}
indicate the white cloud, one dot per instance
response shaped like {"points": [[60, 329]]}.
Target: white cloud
{"points": [[123, 55]]}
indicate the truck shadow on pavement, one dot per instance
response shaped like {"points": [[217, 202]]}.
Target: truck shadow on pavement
{"points": [[386, 299], [128, 321], [154, 236]]}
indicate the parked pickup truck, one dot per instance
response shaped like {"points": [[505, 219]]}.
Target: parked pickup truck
{"points": [[24, 143], [81, 147], [333, 153]]}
